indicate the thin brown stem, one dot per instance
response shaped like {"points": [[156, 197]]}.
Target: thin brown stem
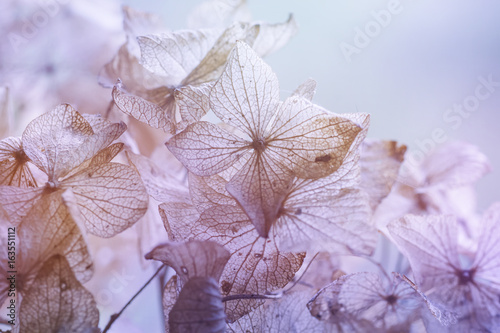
{"points": [[248, 296], [115, 316], [300, 278]]}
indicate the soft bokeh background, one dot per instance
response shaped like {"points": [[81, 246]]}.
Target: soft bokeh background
{"points": [[428, 58]]}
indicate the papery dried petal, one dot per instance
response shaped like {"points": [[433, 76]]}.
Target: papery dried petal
{"points": [[247, 94], [146, 111], [430, 244], [287, 314], [193, 103], [260, 187], [311, 142], [17, 201], [136, 23], [198, 308], [14, 167], [177, 214], [62, 139], [174, 55], [192, 259], [488, 251], [110, 196], [218, 13], [256, 265], [206, 149], [380, 163], [162, 184], [273, 37], [454, 165], [209, 192], [50, 229], [339, 224], [170, 294], [103, 156], [211, 66], [306, 90], [57, 302]]}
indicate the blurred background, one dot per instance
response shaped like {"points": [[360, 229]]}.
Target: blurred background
{"points": [[418, 67]]}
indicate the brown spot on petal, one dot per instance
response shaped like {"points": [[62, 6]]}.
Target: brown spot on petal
{"points": [[323, 158], [226, 287]]}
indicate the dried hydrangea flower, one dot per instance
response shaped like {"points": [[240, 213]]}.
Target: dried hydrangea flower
{"points": [[441, 184], [183, 65], [430, 243], [256, 265], [75, 153], [57, 302], [364, 297], [280, 140]]}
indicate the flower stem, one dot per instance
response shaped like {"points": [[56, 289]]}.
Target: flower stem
{"points": [[115, 316]]}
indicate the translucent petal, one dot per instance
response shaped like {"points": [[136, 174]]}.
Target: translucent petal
{"points": [[206, 149], [62, 139], [380, 163], [247, 94], [364, 297], [287, 314], [134, 77], [310, 142], [14, 168], [488, 251], [256, 266], [136, 23], [176, 214], [174, 55], [103, 156], [170, 294], [146, 111], [111, 197], [192, 259], [273, 37], [57, 302], [15, 202], [455, 164], [193, 103], [218, 13], [209, 192], [49, 229], [430, 244], [211, 66], [306, 90], [160, 182], [260, 187], [443, 316], [338, 224]]}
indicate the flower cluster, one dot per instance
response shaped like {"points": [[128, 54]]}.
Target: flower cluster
{"points": [[271, 207]]}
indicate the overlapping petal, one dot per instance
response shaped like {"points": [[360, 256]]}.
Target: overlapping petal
{"points": [[57, 302], [110, 196], [14, 167]]}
